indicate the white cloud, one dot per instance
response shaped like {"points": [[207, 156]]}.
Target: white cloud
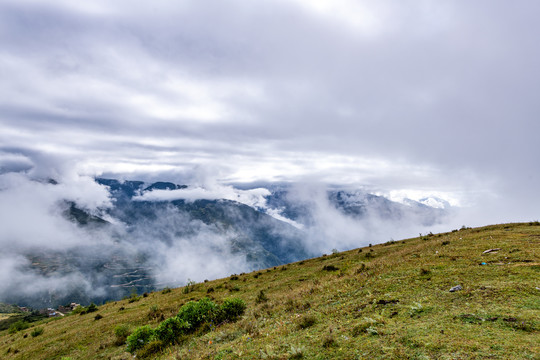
{"points": [[453, 198], [253, 197], [31, 211], [365, 18], [427, 95]]}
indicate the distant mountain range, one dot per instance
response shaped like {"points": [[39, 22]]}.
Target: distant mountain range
{"points": [[144, 243]]}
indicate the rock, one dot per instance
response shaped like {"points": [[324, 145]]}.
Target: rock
{"points": [[456, 288]]}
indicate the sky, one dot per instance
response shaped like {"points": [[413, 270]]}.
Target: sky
{"points": [[405, 98]]}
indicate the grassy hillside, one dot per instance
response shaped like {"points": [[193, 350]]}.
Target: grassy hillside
{"points": [[388, 301]]}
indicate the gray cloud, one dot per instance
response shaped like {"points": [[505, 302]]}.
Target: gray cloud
{"points": [[427, 97]]}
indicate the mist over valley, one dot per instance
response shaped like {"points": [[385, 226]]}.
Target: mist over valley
{"points": [[97, 240]]}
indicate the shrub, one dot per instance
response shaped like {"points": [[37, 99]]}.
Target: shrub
{"points": [[330, 268], [261, 297], [18, 326], [140, 337], [154, 312], [98, 317], [197, 312], [170, 330], [190, 286], [81, 310], [133, 298], [37, 331], [166, 290], [190, 317], [121, 332], [361, 269], [232, 309]]}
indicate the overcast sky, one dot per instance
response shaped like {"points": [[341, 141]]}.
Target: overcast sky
{"points": [[416, 97]]}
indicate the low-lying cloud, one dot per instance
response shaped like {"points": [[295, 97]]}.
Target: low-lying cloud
{"points": [[253, 197], [47, 256]]}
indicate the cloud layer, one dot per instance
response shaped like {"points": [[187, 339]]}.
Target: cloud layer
{"points": [[430, 97]]}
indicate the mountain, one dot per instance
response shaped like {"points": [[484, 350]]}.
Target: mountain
{"points": [[464, 294], [357, 204], [141, 245], [264, 240]]}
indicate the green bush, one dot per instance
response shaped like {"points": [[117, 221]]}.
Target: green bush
{"points": [[81, 310], [37, 331], [196, 313], [190, 286], [190, 317], [133, 299], [330, 268], [18, 326], [121, 332], [232, 309], [170, 330], [140, 337], [261, 297]]}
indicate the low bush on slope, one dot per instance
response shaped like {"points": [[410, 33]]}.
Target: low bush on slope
{"points": [[192, 316]]}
